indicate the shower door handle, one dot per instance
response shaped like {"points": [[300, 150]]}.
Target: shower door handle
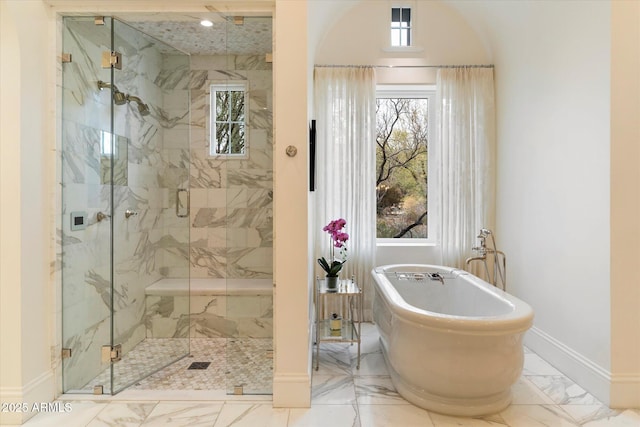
{"points": [[184, 212]]}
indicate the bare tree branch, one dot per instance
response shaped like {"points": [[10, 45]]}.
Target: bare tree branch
{"points": [[411, 226]]}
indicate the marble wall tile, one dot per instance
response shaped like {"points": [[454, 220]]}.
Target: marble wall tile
{"points": [[198, 78], [174, 74], [221, 75], [215, 316], [146, 246], [245, 215], [167, 316], [251, 62], [208, 262], [207, 62]]}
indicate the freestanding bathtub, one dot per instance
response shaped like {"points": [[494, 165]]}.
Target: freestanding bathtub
{"points": [[452, 342]]}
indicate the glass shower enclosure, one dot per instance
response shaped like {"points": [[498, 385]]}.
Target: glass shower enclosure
{"points": [[125, 211]]}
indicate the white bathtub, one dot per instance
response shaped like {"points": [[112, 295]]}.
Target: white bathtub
{"points": [[453, 345], [210, 286]]}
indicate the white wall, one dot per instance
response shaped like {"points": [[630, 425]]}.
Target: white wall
{"points": [[359, 35], [552, 92], [26, 299]]}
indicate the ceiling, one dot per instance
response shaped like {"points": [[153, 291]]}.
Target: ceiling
{"points": [[184, 32]]}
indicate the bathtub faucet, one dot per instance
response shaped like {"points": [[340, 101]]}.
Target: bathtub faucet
{"points": [[499, 259], [482, 249]]}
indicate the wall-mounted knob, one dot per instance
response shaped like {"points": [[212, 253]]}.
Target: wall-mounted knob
{"points": [[291, 151], [129, 213], [100, 216]]}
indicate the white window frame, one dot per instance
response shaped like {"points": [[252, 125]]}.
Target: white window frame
{"points": [[401, 28], [226, 85], [429, 92]]}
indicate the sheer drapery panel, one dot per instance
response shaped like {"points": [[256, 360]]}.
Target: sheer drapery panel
{"points": [[345, 148], [465, 153]]}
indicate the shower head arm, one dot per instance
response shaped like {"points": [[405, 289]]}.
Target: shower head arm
{"points": [[142, 107], [135, 99], [105, 85]]}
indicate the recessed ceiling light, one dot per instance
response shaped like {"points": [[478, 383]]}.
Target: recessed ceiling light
{"points": [[206, 23]]}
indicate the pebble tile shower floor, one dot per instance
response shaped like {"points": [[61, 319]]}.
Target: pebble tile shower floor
{"points": [[232, 362]]}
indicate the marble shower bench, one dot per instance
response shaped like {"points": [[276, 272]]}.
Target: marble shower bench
{"points": [[209, 308]]}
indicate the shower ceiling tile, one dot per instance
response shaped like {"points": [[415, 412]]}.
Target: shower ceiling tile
{"points": [[186, 34]]}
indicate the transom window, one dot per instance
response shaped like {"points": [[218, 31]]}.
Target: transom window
{"points": [[228, 118], [400, 26], [404, 120]]}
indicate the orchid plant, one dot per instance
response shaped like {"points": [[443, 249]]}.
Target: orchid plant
{"points": [[338, 240]]}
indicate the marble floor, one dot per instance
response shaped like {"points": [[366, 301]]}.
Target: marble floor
{"points": [[345, 396]]}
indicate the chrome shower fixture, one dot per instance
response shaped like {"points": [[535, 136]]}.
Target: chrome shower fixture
{"points": [[121, 98]]}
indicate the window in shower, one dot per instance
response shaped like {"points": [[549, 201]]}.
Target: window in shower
{"points": [[228, 119]]}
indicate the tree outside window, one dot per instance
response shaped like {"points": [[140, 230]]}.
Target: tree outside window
{"points": [[401, 167], [228, 119]]}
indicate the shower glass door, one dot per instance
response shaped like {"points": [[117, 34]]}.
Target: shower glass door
{"points": [[125, 226], [150, 208], [249, 195]]}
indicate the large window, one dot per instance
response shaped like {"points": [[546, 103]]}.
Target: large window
{"points": [[403, 126], [228, 119]]}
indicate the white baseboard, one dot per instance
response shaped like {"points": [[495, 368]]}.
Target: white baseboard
{"points": [[587, 374], [39, 390], [292, 390], [614, 390], [625, 391]]}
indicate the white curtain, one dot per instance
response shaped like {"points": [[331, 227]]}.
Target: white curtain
{"points": [[345, 112], [466, 159]]}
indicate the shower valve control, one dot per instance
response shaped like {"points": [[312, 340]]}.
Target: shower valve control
{"points": [[129, 213]]}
